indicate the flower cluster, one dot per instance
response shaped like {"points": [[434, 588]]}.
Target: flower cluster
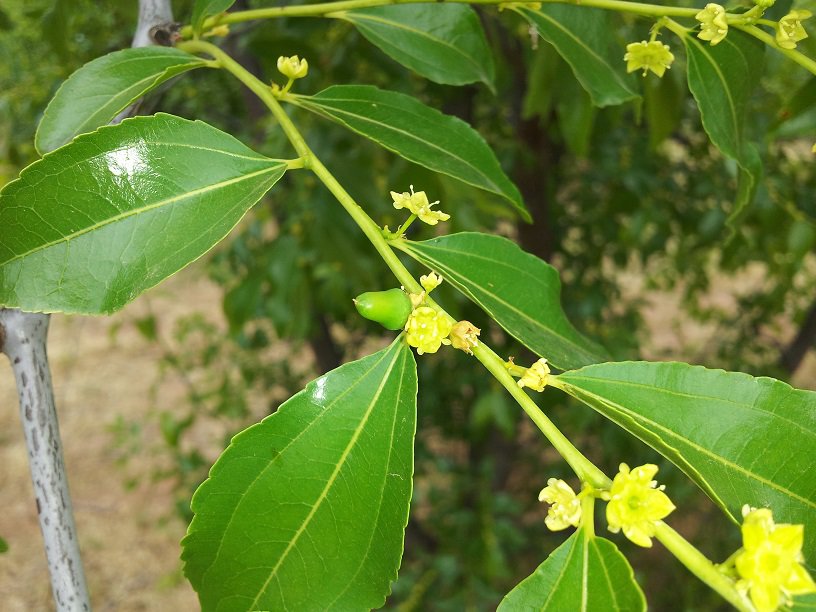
{"points": [[654, 56], [636, 503], [565, 505], [769, 564], [714, 24], [790, 30], [427, 330], [293, 67], [536, 376], [418, 204]]}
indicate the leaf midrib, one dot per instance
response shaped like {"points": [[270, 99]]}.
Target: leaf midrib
{"points": [[139, 211], [475, 65], [455, 278], [694, 446], [492, 186], [330, 482]]}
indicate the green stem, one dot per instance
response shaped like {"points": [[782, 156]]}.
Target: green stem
{"points": [[699, 565], [583, 467], [588, 515], [792, 54], [323, 9]]}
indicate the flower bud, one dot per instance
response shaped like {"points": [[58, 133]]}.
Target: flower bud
{"points": [[293, 67]]}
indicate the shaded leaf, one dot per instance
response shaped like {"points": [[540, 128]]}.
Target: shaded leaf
{"points": [[521, 292], [444, 43], [721, 79], [207, 8], [743, 440], [101, 89], [583, 36], [97, 222], [416, 132], [307, 509], [584, 573]]}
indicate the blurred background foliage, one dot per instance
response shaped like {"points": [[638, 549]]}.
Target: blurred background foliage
{"points": [[634, 191]]}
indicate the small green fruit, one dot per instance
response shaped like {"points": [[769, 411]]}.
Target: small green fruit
{"points": [[388, 308]]}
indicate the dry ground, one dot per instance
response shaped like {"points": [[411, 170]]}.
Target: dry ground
{"points": [[130, 547]]}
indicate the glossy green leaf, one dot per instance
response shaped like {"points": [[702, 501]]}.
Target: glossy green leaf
{"points": [[207, 8], [418, 133], [721, 78], [584, 573], [101, 89], [307, 509], [584, 38], [444, 43], [521, 292], [743, 440], [97, 222]]}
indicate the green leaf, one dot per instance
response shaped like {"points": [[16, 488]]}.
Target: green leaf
{"points": [[802, 101], [307, 509], [3, 546], [207, 8], [416, 132], [721, 79], [743, 440], [663, 102], [584, 38], [97, 222], [444, 43], [521, 292], [101, 89], [803, 603], [584, 573]]}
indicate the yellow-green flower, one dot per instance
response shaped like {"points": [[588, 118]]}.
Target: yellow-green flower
{"points": [[464, 336], [430, 281], [427, 330], [418, 204], [714, 24], [790, 30], [654, 56], [636, 503], [565, 506], [293, 67], [770, 561], [536, 376]]}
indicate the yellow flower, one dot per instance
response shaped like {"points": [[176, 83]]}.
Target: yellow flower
{"points": [[293, 67], [770, 561], [790, 30], [418, 204], [536, 376], [427, 330], [636, 503], [654, 56], [430, 281], [464, 336], [714, 23], [565, 506]]}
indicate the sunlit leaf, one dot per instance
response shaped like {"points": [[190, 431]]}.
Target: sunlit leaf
{"points": [[584, 38], [444, 42], [584, 573], [97, 222], [521, 292], [307, 509], [101, 89], [743, 440], [418, 133]]}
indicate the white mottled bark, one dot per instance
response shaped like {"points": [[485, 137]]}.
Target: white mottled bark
{"points": [[23, 338]]}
